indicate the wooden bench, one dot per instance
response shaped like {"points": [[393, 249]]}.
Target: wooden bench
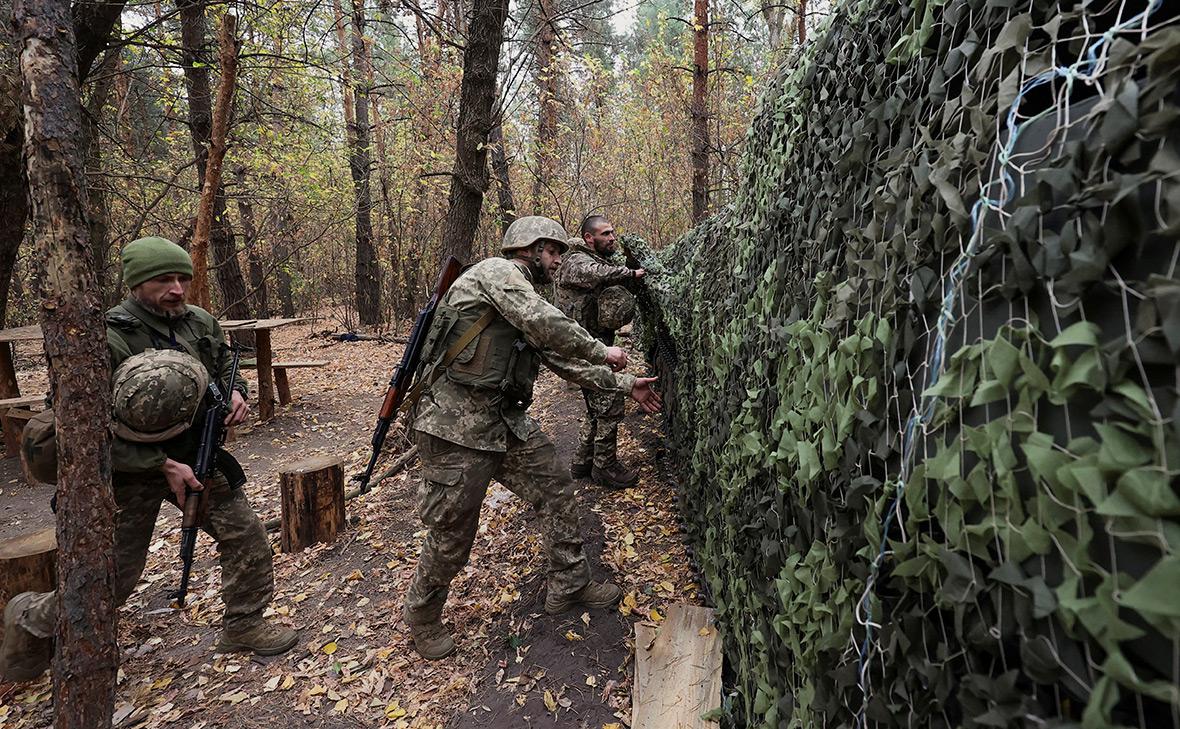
{"points": [[14, 413], [280, 370]]}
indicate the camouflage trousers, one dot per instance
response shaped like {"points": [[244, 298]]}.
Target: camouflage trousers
{"points": [[455, 481], [598, 440], [247, 572]]}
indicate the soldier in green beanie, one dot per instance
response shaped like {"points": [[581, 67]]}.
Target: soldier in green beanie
{"points": [[149, 470]]}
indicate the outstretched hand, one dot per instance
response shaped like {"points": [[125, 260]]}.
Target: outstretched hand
{"points": [[644, 393]]}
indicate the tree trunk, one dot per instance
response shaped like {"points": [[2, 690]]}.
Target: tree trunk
{"points": [[547, 103], [92, 24], [86, 660], [503, 179], [801, 21], [282, 253], [700, 116], [28, 563], [477, 96], [368, 273], [100, 237], [212, 201], [258, 291]]}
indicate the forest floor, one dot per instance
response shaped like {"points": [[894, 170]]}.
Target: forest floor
{"points": [[354, 667]]}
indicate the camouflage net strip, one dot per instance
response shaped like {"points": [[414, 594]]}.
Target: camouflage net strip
{"points": [[922, 373]]}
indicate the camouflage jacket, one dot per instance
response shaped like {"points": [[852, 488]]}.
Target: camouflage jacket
{"points": [[131, 329], [582, 277], [481, 419]]}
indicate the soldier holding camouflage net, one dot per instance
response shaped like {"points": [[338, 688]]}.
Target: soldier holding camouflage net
{"points": [[488, 338], [163, 353], [591, 291]]}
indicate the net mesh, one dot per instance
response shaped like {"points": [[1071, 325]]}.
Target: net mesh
{"points": [[923, 373]]}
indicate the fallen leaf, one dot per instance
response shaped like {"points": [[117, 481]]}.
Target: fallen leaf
{"points": [[330, 648], [550, 702], [394, 711], [591, 681], [572, 636], [703, 632], [235, 697], [586, 618], [341, 706], [288, 682]]}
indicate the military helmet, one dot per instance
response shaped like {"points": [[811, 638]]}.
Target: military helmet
{"points": [[156, 395], [616, 308], [528, 230]]}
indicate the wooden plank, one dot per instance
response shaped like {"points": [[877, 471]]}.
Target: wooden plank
{"points": [[294, 364], [677, 670], [25, 401], [31, 333]]}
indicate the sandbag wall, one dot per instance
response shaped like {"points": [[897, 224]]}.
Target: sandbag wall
{"points": [[922, 373]]}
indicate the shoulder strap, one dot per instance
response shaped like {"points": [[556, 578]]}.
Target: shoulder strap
{"points": [[189, 348], [452, 352]]}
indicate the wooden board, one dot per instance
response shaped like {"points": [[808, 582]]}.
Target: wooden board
{"points": [[30, 333], [677, 670], [22, 402]]}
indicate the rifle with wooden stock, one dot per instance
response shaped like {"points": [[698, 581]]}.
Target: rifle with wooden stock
{"points": [[403, 374]]}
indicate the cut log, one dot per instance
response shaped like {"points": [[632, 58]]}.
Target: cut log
{"points": [[313, 503], [677, 670], [28, 563]]}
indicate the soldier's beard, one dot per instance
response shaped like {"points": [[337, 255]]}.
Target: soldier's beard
{"points": [[167, 312], [540, 273]]}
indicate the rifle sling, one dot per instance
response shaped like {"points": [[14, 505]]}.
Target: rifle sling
{"points": [[467, 338]]}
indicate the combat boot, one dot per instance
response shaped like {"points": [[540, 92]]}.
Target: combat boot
{"points": [[617, 476], [432, 641], [580, 470], [593, 595], [260, 638], [24, 656]]}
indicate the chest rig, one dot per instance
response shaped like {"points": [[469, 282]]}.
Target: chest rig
{"points": [[498, 359]]}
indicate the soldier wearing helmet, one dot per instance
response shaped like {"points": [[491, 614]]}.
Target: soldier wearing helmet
{"points": [[163, 355], [591, 290], [490, 334]]}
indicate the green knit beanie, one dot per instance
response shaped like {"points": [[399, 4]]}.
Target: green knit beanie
{"points": [[150, 257]]}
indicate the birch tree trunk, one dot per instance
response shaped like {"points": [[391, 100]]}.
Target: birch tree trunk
{"points": [[86, 661], [700, 115], [477, 96]]}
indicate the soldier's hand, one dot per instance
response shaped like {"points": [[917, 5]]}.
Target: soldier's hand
{"points": [[179, 477], [639, 273], [616, 357], [239, 410], [645, 394]]}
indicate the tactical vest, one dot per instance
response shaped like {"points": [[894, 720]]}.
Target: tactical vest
{"points": [[499, 359]]}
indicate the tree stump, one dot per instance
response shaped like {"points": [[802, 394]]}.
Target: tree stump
{"points": [[313, 502], [28, 563]]}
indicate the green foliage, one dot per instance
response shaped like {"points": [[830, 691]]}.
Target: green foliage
{"points": [[1013, 561]]}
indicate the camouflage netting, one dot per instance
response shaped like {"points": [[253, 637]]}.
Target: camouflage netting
{"points": [[923, 373]]}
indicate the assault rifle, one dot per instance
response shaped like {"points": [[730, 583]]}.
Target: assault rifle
{"points": [[403, 374], [212, 438]]}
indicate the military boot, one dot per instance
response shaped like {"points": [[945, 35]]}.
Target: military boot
{"points": [[593, 595], [260, 638], [23, 656], [432, 641], [581, 470], [617, 476]]}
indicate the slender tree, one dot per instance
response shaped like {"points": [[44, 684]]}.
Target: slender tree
{"points": [[86, 659], [547, 102], [368, 273], [700, 116], [504, 197], [477, 96]]}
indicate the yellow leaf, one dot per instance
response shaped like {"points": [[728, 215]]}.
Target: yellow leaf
{"points": [[550, 702], [703, 632], [287, 683], [330, 648], [283, 610], [394, 711], [655, 615], [341, 706], [520, 699], [667, 587], [572, 636], [355, 575], [317, 691], [591, 681], [299, 598], [612, 725], [162, 682]]}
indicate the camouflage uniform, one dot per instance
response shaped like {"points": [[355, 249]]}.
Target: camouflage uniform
{"points": [[580, 280], [469, 434], [247, 574]]}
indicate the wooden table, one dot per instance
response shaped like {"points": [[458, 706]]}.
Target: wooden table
{"points": [[264, 356], [260, 327], [8, 384]]}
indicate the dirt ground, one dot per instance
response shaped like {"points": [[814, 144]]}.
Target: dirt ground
{"points": [[516, 666]]}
